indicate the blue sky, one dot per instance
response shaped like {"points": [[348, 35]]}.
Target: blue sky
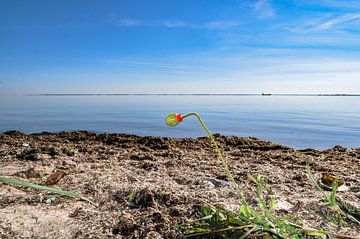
{"points": [[185, 46]]}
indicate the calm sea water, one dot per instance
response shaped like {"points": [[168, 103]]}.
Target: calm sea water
{"points": [[296, 121]]}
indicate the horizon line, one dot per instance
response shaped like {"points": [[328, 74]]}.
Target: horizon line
{"points": [[196, 94]]}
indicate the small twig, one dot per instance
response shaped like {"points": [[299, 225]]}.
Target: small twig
{"points": [[253, 227], [306, 229], [248, 232]]}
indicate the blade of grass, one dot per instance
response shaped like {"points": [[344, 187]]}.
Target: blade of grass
{"points": [[15, 182]]}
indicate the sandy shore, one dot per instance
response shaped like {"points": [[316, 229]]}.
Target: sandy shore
{"points": [[179, 176]]}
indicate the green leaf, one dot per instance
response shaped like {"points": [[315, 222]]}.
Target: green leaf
{"points": [[246, 211], [272, 204], [61, 192]]}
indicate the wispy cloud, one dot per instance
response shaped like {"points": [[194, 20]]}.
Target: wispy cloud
{"points": [[264, 9], [325, 23], [129, 22], [153, 64], [340, 20], [44, 27], [165, 65], [176, 23], [349, 4], [297, 71]]}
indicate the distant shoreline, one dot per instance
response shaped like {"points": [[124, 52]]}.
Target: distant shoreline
{"points": [[165, 94]]}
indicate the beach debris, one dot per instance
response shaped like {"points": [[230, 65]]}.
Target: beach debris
{"points": [[28, 173], [343, 188], [213, 183], [329, 180], [55, 177], [153, 235], [142, 199], [353, 212], [69, 162], [357, 195], [52, 151], [153, 143], [31, 155], [283, 206], [125, 225], [25, 145], [49, 200], [339, 148], [175, 181], [69, 151]]}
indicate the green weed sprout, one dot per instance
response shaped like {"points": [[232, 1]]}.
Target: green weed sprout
{"points": [[340, 208], [174, 119], [14, 182]]}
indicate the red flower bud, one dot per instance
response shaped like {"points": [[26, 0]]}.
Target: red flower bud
{"points": [[179, 117]]}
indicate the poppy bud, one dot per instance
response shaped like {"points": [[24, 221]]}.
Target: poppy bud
{"points": [[173, 119]]}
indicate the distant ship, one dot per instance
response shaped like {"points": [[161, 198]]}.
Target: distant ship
{"points": [[265, 94]]}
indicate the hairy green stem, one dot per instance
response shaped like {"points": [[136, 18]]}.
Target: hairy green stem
{"points": [[222, 160]]}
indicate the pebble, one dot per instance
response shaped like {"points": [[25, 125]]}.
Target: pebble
{"points": [[358, 195], [343, 188], [69, 162], [153, 235], [213, 183], [283, 205]]}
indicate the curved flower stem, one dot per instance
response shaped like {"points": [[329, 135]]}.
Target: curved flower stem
{"points": [[223, 162]]}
